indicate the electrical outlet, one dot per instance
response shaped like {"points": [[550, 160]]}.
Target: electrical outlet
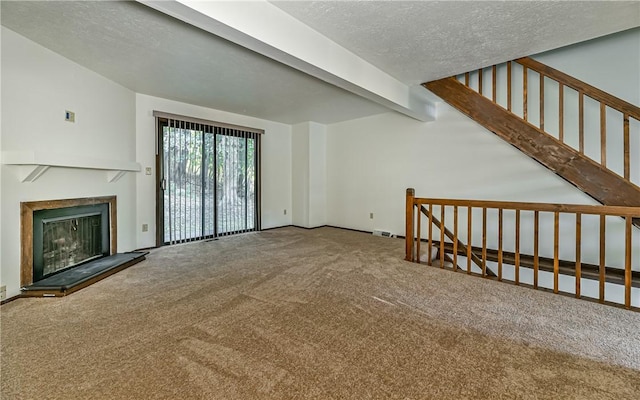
{"points": [[145, 227], [147, 170], [285, 211], [3, 292], [370, 215]]}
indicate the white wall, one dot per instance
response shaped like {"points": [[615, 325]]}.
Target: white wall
{"points": [[300, 174], [275, 163], [371, 161], [317, 174], [309, 177], [1, 196], [610, 63], [37, 87]]}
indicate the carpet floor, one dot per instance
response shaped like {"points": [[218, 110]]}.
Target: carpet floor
{"points": [[312, 314]]}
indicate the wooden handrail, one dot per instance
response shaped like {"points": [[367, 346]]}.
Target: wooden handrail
{"points": [[579, 269], [582, 87], [620, 211]]}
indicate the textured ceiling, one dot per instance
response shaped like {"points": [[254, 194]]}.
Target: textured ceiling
{"points": [[419, 41], [153, 53]]}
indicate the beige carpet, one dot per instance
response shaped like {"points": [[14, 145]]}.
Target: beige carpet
{"points": [[312, 314]]}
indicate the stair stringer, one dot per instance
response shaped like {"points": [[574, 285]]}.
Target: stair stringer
{"points": [[588, 176]]}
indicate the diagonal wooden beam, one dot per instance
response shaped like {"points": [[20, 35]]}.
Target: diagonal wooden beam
{"points": [[450, 235], [590, 177]]}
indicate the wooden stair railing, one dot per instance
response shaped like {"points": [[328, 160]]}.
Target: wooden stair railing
{"points": [[593, 177], [590, 233]]}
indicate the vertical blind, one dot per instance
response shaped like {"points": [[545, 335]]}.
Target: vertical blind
{"points": [[209, 179]]}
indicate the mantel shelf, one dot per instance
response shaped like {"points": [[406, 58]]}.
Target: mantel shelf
{"points": [[31, 165]]}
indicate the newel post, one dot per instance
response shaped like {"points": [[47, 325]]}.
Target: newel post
{"points": [[409, 240]]}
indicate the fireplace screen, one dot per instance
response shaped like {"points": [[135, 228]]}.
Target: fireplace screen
{"points": [[65, 237], [70, 241]]}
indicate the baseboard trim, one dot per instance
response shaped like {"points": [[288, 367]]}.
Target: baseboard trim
{"points": [[320, 226], [10, 299], [336, 227], [349, 229], [274, 227], [293, 226]]}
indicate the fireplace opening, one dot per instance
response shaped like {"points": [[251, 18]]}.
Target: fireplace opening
{"points": [[67, 237]]}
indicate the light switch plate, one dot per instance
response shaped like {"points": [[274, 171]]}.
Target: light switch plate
{"points": [[69, 116]]}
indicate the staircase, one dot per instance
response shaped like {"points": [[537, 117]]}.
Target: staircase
{"points": [[578, 155], [586, 136]]}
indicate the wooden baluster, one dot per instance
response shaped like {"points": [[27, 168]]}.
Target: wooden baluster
{"points": [[480, 81], [517, 250], [494, 75], [626, 147], [508, 85], [561, 112], [469, 241], [556, 250], [581, 121], [466, 79], [578, 253], [536, 246], [525, 83], [418, 235], [603, 134], [455, 238], [500, 244], [602, 257], [484, 241], [430, 248], [541, 101], [409, 217], [442, 207], [627, 262]]}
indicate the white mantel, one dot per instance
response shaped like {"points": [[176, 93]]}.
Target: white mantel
{"points": [[32, 164]]}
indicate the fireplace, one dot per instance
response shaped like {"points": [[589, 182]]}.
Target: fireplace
{"points": [[57, 235], [69, 244]]}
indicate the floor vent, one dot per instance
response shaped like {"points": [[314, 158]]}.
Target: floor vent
{"points": [[378, 232]]}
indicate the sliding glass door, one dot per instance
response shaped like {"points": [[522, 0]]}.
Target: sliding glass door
{"points": [[208, 182]]}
